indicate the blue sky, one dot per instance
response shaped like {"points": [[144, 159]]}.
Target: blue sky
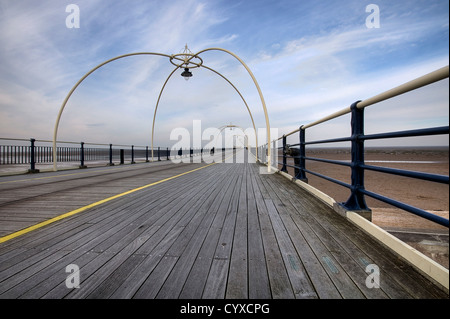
{"points": [[310, 57]]}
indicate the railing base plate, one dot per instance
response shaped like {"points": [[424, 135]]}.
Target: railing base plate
{"points": [[342, 210]]}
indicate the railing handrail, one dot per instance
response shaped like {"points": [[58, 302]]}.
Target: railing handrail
{"points": [[67, 142], [85, 143], [419, 82], [356, 201], [82, 152]]}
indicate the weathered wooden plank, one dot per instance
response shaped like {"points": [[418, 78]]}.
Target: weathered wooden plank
{"points": [[340, 279], [137, 277], [91, 242], [300, 281], [215, 285], [40, 276], [279, 280], [22, 261], [237, 286], [105, 263], [156, 279], [231, 233], [217, 278], [279, 190], [177, 278], [106, 288], [363, 250], [101, 274], [45, 259], [258, 279], [147, 267], [54, 195], [50, 279], [322, 283], [346, 262], [100, 215], [397, 279], [195, 281]]}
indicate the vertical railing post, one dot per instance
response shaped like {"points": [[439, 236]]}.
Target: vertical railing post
{"points": [[132, 155], [167, 153], [301, 174], [264, 154], [82, 156], [146, 154], [283, 168], [356, 202], [122, 156], [159, 153], [32, 157], [110, 155]]}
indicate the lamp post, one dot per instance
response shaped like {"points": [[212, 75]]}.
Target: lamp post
{"points": [[186, 74]]}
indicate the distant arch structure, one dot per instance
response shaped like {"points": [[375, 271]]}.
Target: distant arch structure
{"points": [[186, 60], [232, 126]]}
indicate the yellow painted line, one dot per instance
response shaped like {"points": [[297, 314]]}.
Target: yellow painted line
{"points": [[82, 209]]}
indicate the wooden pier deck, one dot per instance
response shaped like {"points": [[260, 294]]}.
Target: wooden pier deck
{"points": [[193, 231]]}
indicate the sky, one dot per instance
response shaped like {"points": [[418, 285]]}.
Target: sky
{"points": [[310, 58]]}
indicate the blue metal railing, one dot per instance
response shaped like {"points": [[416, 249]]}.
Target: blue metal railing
{"points": [[30, 153], [356, 200]]}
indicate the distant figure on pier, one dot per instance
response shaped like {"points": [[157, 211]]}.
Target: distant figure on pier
{"points": [[212, 151], [180, 151]]}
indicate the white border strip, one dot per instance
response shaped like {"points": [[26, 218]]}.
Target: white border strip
{"points": [[412, 255]]}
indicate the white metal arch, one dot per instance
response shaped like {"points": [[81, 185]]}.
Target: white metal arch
{"points": [[208, 68], [222, 128], [58, 118], [263, 103], [187, 60]]}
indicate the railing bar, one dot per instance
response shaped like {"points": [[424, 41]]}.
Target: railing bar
{"points": [[294, 131], [334, 140], [414, 210], [329, 117], [424, 80], [14, 139], [410, 133], [329, 161], [85, 143], [427, 79], [413, 174], [329, 179]]}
